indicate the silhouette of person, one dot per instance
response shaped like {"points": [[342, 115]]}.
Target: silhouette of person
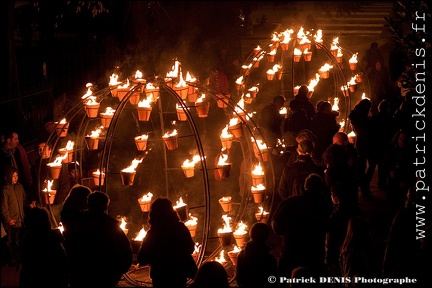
{"points": [[100, 251], [211, 274], [167, 247], [255, 263], [43, 259]]}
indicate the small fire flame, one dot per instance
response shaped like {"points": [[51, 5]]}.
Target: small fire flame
{"points": [[225, 134], [191, 163], [114, 80], [313, 82], [138, 74], [190, 78], [91, 101], [335, 106], [146, 197], [275, 68], [192, 221], [109, 111], [182, 83], [226, 199], [61, 227], [201, 98], [63, 121], [233, 121], [172, 134], [326, 67], [241, 228], [318, 36], [259, 187], [58, 161], [270, 72], [235, 249], [222, 160], [286, 35], [258, 170], [145, 102], [339, 53], [141, 234], [142, 137], [97, 173], [353, 59], [300, 33], [179, 203], [197, 248], [221, 259], [239, 80], [297, 52], [133, 165], [96, 133], [89, 92], [226, 224], [49, 185], [123, 224], [335, 44], [124, 86]]}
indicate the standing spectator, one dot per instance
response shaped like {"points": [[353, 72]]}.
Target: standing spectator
{"points": [[40, 170], [255, 263], [293, 175], [371, 56], [306, 105], [271, 120], [302, 222], [167, 247], [357, 256], [361, 124], [297, 120], [14, 155], [211, 274], [74, 205], [13, 202], [324, 126], [378, 78], [43, 258], [100, 251], [219, 80]]}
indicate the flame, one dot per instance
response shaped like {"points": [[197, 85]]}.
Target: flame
{"points": [[342, 124], [300, 33], [190, 78], [174, 70], [141, 234], [201, 98], [270, 72], [57, 161], [221, 259], [89, 92], [247, 67], [114, 80], [318, 36], [364, 96], [222, 160], [334, 44], [191, 163], [339, 53], [258, 187], [351, 134], [352, 81], [69, 145], [225, 134], [353, 59], [258, 170], [124, 86], [313, 82], [283, 111], [123, 224], [109, 111], [257, 59], [63, 121], [138, 74], [91, 101], [145, 102], [326, 67], [276, 68], [133, 165], [261, 211], [49, 185], [172, 134], [272, 52], [304, 40], [335, 106], [95, 133], [258, 48], [239, 80], [192, 221], [286, 35], [146, 197], [142, 137], [97, 173], [61, 227], [226, 199], [233, 121], [179, 203], [197, 248], [235, 249], [344, 88], [297, 52], [181, 83], [241, 228], [226, 225]]}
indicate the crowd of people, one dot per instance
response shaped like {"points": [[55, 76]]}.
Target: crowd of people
{"points": [[319, 178]]}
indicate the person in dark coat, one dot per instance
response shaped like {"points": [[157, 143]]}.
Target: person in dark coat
{"points": [[100, 252], [293, 175], [324, 126], [302, 222], [361, 124], [43, 259], [271, 120], [303, 97], [297, 120], [255, 263], [167, 247], [211, 274]]}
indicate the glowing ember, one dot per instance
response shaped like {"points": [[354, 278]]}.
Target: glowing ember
{"points": [[226, 225], [258, 170], [142, 233], [133, 166]]}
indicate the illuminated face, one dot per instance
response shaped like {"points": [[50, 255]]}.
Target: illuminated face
{"points": [[13, 142], [14, 177], [44, 151]]}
